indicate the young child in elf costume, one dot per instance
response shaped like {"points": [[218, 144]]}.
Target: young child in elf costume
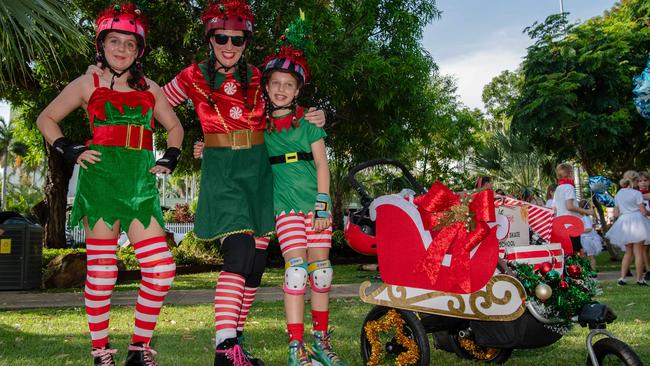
{"points": [[236, 198], [301, 198], [117, 185]]}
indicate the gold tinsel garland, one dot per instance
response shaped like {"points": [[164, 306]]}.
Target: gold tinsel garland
{"points": [[479, 353], [392, 320]]}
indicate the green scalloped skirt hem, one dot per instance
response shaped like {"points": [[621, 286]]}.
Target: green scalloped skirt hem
{"points": [[119, 187]]}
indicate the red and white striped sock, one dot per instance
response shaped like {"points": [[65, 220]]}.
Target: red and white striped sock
{"points": [[100, 280], [248, 299], [228, 299], [261, 243], [158, 269]]}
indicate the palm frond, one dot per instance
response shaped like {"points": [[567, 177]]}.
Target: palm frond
{"points": [[29, 34]]}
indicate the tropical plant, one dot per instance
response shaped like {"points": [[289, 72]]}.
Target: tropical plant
{"points": [[8, 146], [516, 166], [35, 33]]}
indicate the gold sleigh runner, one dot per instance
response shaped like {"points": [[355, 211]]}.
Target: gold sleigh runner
{"points": [[501, 299]]}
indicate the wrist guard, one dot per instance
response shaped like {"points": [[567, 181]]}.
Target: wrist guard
{"points": [[322, 207], [68, 149], [170, 159]]}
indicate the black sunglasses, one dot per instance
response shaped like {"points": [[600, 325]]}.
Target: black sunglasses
{"points": [[222, 39]]}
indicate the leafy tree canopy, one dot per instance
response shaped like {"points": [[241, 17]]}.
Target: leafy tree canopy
{"points": [[576, 96]]}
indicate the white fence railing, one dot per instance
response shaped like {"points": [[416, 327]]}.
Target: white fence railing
{"points": [[77, 235]]}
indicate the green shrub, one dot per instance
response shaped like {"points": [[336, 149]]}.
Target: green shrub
{"points": [[49, 254], [127, 256]]}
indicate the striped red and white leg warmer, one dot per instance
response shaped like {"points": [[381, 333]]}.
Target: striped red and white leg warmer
{"points": [[315, 239], [291, 232], [261, 243], [100, 281], [157, 269], [228, 299]]}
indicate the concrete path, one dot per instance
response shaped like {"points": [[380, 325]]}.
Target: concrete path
{"points": [[11, 300]]}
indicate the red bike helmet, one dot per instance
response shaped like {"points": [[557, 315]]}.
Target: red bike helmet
{"points": [[229, 14], [126, 18], [289, 55]]}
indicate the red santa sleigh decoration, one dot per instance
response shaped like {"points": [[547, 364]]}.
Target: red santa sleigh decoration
{"points": [[442, 244]]}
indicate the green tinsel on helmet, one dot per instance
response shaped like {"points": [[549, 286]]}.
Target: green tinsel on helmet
{"points": [[297, 34]]}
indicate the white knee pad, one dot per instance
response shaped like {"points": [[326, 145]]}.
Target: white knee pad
{"points": [[295, 276], [320, 275]]}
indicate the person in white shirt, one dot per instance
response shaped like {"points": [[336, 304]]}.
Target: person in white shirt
{"points": [[564, 199], [631, 229]]}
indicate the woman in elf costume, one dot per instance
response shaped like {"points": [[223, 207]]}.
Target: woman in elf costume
{"points": [[300, 195], [117, 185], [235, 203]]}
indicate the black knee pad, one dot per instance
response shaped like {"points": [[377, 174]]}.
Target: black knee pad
{"points": [[238, 254], [255, 278]]}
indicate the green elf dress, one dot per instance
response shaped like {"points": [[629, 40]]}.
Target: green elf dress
{"points": [[120, 186]]}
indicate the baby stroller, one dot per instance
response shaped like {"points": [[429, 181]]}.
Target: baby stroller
{"points": [[482, 316]]}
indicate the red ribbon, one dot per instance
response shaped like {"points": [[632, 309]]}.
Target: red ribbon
{"points": [[456, 238]]}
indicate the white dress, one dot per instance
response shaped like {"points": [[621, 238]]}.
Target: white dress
{"points": [[591, 242], [631, 226]]}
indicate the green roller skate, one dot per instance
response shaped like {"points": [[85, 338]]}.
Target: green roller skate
{"points": [[298, 355], [321, 351]]}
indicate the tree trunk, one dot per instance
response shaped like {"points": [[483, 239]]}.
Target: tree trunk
{"points": [[56, 191]]}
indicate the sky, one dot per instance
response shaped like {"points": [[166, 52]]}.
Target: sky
{"points": [[475, 40]]}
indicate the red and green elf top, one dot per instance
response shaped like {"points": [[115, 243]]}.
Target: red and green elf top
{"points": [[220, 109]]}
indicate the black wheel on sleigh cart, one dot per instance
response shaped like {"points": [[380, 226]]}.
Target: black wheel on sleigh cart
{"points": [[611, 351], [389, 335]]}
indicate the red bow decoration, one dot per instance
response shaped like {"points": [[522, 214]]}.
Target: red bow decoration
{"points": [[458, 224]]}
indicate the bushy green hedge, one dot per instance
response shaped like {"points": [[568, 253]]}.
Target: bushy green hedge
{"points": [[195, 252], [49, 254]]}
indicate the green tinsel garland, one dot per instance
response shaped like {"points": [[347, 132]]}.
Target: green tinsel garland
{"points": [[569, 295], [297, 34]]}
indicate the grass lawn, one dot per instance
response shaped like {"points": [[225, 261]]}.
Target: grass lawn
{"points": [[184, 335]]}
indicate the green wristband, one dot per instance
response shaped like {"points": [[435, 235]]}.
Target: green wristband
{"points": [[322, 207]]}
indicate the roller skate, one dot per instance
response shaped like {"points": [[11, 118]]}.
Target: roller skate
{"points": [[298, 355], [321, 351], [140, 354], [103, 356], [230, 353]]}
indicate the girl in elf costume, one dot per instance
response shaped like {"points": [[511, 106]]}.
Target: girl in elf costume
{"points": [[300, 196], [117, 185], [236, 199]]}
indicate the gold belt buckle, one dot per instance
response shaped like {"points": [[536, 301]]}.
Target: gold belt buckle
{"points": [[291, 157], [240, 139], [128, 137]]}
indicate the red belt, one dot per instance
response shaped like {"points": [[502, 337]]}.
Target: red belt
{"points": [[134, 137]]}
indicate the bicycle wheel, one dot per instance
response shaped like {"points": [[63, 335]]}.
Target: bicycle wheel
{"points": [[389, 335], [611, 351]]}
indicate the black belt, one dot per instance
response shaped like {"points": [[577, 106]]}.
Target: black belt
{"points": [[291, 157]]}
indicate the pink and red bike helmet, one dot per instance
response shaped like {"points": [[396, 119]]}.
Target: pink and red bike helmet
{"points": [[125, 18]]}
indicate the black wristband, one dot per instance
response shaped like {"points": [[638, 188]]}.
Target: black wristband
{"points": [[68, 149], [170, 159]]}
